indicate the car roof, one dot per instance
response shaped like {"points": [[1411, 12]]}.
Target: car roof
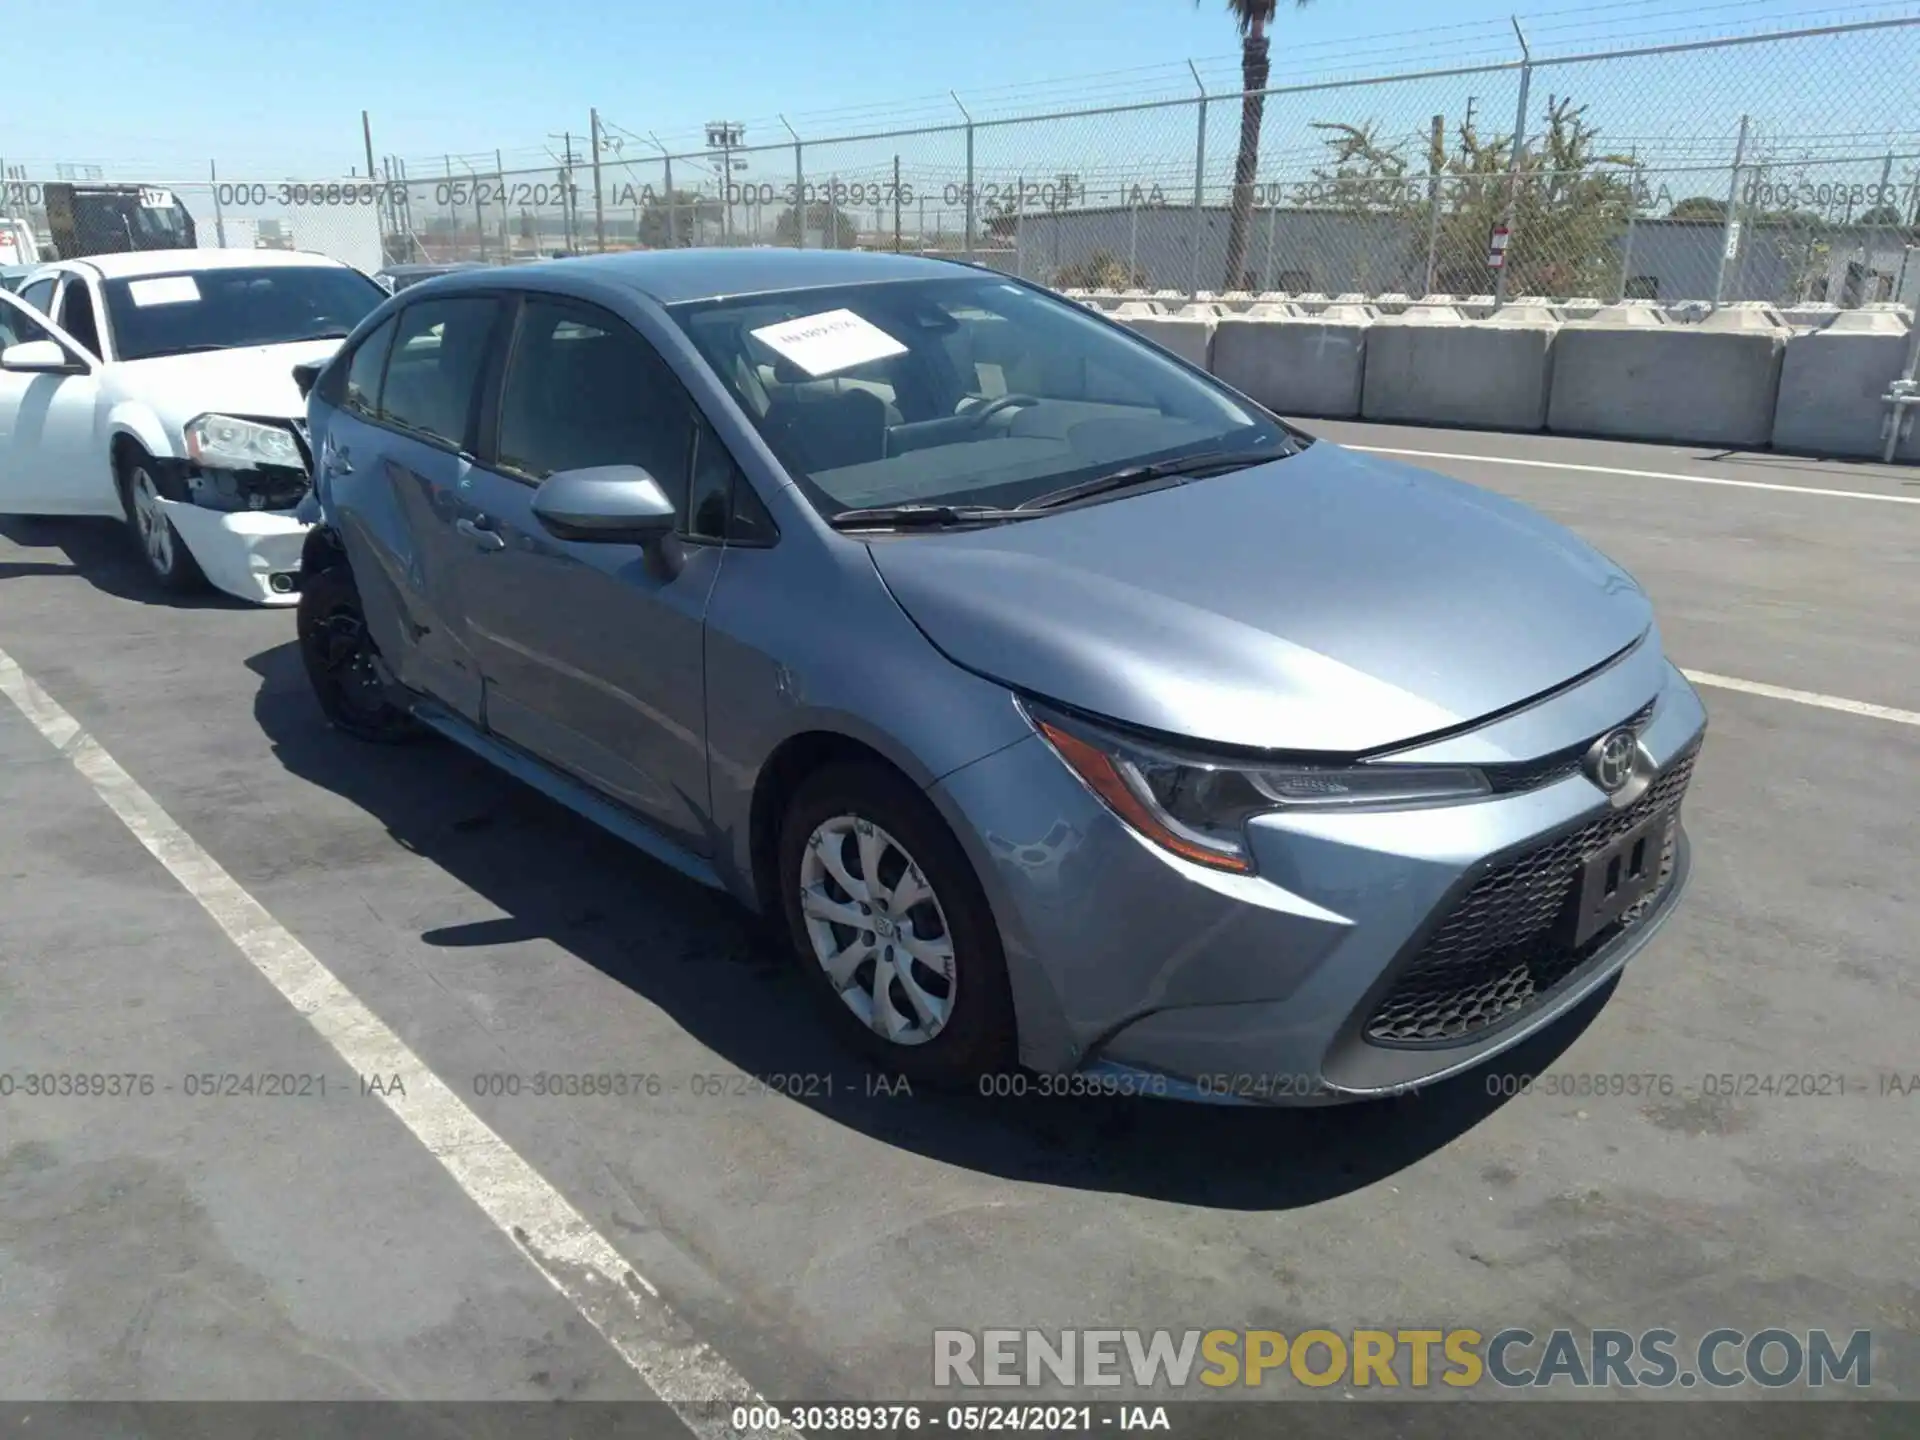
{"points": [[172, 262], [673, 276], [437, 267]]}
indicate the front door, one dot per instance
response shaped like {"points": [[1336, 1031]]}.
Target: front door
{"points": [[53, 454], [592, 654]]}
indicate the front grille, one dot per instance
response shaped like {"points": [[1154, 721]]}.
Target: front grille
{"points": [[1508, 942], [1518, 775]]}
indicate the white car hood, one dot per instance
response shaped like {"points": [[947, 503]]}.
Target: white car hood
{"points": [[257, 380]]}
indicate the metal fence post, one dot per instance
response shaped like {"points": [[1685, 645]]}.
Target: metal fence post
{"points": [[373, 179], [1273, 228], [1199, 185], [1133, 241], [219, 219], [506, 215], [896, 204], [967, 194], [1437, 154], [1730, 227], [799, 196], [6, 211], [1514, 163], [1019, 214], [673, 231], [599, 213]]}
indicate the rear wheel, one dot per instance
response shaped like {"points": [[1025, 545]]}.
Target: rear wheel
{"points": [[892, 929], [167, 558], [338, 653]]}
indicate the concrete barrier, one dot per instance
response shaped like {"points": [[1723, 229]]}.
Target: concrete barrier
{"points": [[1814, 315], [1712, 383], [1312, 301], [1430, 366], [1188, 335], [1302, 363], [1831, 382]]}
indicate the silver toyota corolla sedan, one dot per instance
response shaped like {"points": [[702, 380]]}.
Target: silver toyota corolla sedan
{"points": [[1066, 709]]}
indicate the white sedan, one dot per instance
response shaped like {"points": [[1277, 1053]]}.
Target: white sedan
{"points": [[157, 387]]}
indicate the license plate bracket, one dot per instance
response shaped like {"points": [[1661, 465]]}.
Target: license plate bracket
{"points": [[1618, 875]]}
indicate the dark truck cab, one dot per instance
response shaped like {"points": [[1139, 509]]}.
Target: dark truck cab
{"points": [[114, 219]]}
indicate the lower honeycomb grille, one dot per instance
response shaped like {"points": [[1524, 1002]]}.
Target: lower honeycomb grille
{"points": [[1507, 944]]}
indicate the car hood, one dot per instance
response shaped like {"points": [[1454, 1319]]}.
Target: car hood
{"points": [[1328, 602], [254, 380]]}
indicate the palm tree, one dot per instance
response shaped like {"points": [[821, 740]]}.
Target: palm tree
{"points": [[1254, 17]]}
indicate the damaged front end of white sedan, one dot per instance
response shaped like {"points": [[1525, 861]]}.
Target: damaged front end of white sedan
{"points": [[166, 389]]}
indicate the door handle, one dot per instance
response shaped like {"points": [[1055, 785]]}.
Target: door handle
{"points": [[480, 535]]}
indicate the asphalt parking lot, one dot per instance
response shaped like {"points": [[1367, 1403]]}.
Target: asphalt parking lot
{"points": [[335, 1246]]}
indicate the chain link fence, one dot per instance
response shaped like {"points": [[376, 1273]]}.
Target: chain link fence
{"points": [[1782, 168]]}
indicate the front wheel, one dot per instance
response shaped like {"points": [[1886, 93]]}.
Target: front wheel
{"points": [[339, 657], [167, 558], [892, 929]]}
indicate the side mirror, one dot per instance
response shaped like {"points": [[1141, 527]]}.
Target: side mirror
{"points": [[40, 357], [304, 376], [613, 504]]}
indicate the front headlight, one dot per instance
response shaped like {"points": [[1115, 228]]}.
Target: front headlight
{"points": [[222, 442], [1198, 806]]}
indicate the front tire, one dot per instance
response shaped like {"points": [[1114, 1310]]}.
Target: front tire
{"points": [[167, 558], [892, 930], [338, 653]]}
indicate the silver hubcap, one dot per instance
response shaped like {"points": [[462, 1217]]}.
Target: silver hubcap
{"points": [[155, 533], [878, 931]]}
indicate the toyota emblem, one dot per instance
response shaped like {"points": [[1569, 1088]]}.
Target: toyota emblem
{"points": [[1610, 761]]}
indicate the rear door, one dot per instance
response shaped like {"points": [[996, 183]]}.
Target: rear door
{"points": [[53, 446], [592, 653], [393, 469]]}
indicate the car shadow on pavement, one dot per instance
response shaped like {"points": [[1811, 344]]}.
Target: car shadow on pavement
{"points": [[704, 962], [103, 553]]}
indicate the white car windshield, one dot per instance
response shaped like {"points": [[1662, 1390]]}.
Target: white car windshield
{"points": [[224, 309], [973, 390]]}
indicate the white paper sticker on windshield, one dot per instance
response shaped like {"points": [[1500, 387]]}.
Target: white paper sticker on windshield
{"points": [[152, 199], [163, 290], [832, 340]]}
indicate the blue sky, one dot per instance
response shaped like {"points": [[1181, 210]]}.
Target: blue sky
{"points": [[277, 90]]}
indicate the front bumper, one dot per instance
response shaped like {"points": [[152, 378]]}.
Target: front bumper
{"points": [[248, 553], [1125, 959]]}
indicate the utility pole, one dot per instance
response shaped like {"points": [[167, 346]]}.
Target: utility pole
{"points": [[726, 136], [896, 205], [599, 213], [566, 186]]}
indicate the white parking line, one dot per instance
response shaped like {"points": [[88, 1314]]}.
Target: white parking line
{"points": [[1641, 474], [576, 1259], [1805, 697]]}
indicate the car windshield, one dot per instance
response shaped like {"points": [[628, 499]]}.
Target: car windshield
{"points": [[972, 390], [224, 309]]}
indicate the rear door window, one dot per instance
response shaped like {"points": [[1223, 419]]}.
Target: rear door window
{"points": [[433, 374]]}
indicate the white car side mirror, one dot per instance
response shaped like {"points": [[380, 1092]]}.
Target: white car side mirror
{"points": [[41, 357]]}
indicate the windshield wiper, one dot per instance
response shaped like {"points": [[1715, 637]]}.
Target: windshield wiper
{"points": [[1214, 462], [922, 517]]}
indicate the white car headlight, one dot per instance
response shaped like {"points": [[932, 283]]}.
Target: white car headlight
{"points": [[223, 442], [1198, 806]]}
